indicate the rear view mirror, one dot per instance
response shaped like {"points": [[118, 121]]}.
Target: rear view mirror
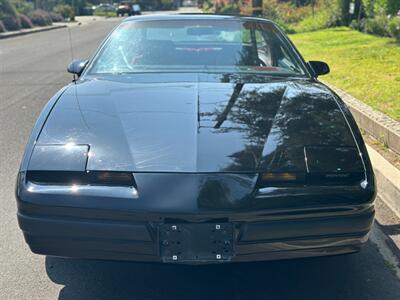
{"points": [[77, 66], [319, 67]]}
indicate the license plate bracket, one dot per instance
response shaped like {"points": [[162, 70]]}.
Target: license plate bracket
{"points": [[196, 242]]}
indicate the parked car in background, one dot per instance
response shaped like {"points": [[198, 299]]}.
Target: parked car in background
{"points": [[196, 139], [124, 8], [105, 8], [88, 10]]}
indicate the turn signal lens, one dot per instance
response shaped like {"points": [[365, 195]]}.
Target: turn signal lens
{"points": [[274, 177], [117, 178]]}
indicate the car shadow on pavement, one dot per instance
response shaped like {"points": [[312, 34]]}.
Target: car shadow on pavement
{"points": [[355, 276]]}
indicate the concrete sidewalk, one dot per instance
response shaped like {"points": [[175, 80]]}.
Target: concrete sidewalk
{"points": [[387, 204], [10, 34], [79, 21]]}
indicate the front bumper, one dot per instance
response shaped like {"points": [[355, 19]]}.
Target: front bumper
{"points": [[271, 223], [92, 234]]}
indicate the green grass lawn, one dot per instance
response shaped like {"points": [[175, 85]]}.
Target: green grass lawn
{"points": [[103, 13], [365, 66]]}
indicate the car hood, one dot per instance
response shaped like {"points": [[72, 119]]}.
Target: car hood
{"points": [[196, 123]]}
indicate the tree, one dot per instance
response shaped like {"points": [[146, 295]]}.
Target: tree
{"points": [[344, 6], [379, 7], [393, 7], [6, 8]]}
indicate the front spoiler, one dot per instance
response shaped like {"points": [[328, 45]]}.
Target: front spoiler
{"points": [[281, 238]]}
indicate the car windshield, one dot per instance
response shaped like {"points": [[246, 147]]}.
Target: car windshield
{"points": [[196, 46]]}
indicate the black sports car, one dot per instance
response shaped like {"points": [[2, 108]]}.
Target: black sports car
{"points": [[195, 139]]}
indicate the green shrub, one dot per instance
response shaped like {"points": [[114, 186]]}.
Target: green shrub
{"points": [[7, 9], [66, 11], [377, 25], [11, 23], [22, 6], [55, 17], [394, 28], [302, 17], [291, 14], [285, 13], [2, 27], [355, 24], [393, 7], [230, 9], [168, 4], [207, 6], [376, 7], [25, 21], [358, 25], [380, 25], [380, 7], [322, 19], [271, 10], [288, 28], [40, 18], [368, 8]]}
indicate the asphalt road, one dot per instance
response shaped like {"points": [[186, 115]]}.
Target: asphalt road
{"points": [[32, 69]]}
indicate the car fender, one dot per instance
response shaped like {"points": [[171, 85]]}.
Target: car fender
{"points": [[37, 128]]}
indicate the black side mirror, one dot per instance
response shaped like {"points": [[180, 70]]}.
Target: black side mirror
{"points": [[77, 66], [319, 67]]}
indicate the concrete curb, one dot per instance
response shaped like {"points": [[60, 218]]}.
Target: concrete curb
{"points": [[375, 123], [388, 180], [29, 31]]}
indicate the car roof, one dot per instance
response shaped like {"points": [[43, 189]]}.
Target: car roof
{"points": [[193, 16]]}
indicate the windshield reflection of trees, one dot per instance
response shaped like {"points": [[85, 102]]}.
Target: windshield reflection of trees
{"points": [[276, 122]]}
